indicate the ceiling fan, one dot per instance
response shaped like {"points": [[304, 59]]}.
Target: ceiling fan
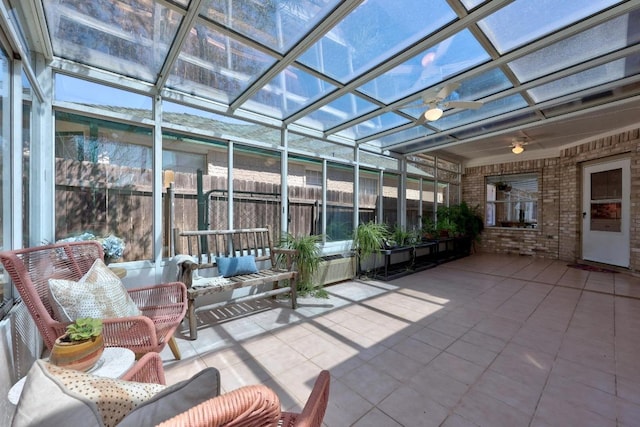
{"points": [[436, 103]]}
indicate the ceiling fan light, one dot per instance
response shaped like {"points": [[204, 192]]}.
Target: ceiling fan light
{"points": [[433, 114], [517, 149]]}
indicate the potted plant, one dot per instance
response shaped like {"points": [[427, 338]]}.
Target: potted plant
{"points": [[401, 237], [368, 238], [465, 221], [112, 246], [307, 259], [503, 186], [446, 227], [81, 346], [429, 231]]}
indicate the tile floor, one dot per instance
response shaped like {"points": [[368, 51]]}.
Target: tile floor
{"points": [[482, 341]]}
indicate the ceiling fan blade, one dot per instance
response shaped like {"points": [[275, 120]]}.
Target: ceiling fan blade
{"points": [[472, 105], [446, 90]]}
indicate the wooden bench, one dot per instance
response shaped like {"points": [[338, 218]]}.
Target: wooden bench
{"points": [[198, 251]]}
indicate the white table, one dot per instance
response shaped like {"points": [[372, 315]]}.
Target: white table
{"points": [[114, 363]]}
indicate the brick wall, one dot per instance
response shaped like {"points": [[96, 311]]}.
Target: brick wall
{"points": [[560, 209]]}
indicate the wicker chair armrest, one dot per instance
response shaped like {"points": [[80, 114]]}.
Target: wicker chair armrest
{"points": [[129, 332], [147, 370], [313, 412], [254, 405], [162, 294]]}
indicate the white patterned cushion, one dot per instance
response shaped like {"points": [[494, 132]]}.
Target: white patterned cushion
{"points": [[99, 294], [55, 396]]}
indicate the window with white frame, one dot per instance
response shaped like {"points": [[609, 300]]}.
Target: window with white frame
{"points": [[512, 201]]}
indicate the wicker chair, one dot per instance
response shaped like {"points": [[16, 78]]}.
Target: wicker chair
{"points": [[163, 306], [255, 405], [148, 369], [313, 412]]}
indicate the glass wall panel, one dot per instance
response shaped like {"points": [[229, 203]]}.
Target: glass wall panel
{"points": [[339, 202], [368, 195], [26, 171], [413, 204], [256, 189], [454, 194], [92, 94], [194, 166], [5, 171], [428, 202], [103, 182], [442, 194], [390, 202], [305, 196]]}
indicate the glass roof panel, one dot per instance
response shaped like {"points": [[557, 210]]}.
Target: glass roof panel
{"points": [[375, 125], [130, 38], [488, 83], [592, 77], [525, 20], [484, 128], [470, 4], [619, 32], [215, 66], [320, 147], [217, 125], [290, 91], [276, 24], [373, 32], [405, 135], [454, 55], [344, 109], [421, 145], [383, 162], [339, 111], [493, 108]]}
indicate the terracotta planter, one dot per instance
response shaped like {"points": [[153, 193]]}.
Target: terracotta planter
{"points": [[79, 355]]}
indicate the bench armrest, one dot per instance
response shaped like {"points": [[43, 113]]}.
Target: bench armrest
{"points": [[285, 256]]}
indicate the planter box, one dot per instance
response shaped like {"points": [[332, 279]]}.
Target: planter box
{"points": [[334, 270]]}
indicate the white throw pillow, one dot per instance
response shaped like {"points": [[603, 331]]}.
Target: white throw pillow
{"points": [[55, 396], [99, 294]]}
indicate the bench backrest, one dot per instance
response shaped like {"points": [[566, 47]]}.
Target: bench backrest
{"points": [[208, 244]]}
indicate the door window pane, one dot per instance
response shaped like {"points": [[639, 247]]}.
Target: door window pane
{"points": [[606, 185], [606, 216]]}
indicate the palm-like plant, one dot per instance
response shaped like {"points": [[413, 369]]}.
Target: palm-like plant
{"points": [[368, 239], [307, 260]]}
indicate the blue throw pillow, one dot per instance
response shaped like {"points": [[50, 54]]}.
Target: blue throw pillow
{"points": [[233, 266]]}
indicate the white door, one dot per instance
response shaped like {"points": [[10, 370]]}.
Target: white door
{"points": [[605, 212]]}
